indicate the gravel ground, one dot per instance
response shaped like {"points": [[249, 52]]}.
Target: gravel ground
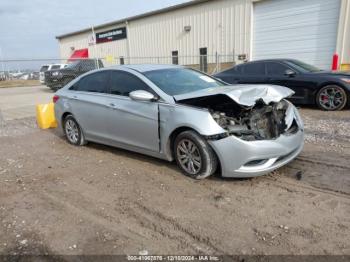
{"points": [[59, 199]]}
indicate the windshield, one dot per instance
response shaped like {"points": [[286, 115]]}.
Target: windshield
{"points": [[72, 65], [177, 81], [304, 67]]}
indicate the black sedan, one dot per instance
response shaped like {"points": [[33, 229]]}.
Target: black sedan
{"points": [[329, 90]]}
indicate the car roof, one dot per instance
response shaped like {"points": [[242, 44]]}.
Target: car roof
{"points": [[271, 60], [147, 67]]}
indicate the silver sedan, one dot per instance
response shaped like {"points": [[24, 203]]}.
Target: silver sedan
{"points": [[171, 112]]}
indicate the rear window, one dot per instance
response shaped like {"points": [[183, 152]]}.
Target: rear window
{"points": [[54, 67], [254, 69], [96, 82], [44, 68]]}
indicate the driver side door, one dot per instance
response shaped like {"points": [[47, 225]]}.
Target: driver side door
{"points": [[130, 122], [276, 75]]}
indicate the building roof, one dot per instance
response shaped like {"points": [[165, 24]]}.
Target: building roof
{"points": [[128, 19]]}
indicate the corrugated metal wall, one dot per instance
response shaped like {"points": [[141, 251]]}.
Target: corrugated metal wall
{"points": [[343, 41], [222, 26], [80, 41]]}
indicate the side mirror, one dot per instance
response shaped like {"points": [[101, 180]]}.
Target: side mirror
{"points": [[141, 95], [289, 73]]}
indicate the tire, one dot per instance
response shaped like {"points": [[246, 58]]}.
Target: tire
{"points": [[190, 147], [331, 98], [53, 88], [65, 82], [73, 132]]}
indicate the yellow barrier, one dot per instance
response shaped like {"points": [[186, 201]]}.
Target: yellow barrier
{"points": [[45, 116], [345, 67]]}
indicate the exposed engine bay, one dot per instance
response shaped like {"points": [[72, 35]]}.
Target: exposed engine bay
{"points": [[258, 122]]}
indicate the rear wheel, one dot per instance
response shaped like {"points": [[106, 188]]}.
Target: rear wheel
{"points": [[194, 156], [73, 131], [331, 98]]}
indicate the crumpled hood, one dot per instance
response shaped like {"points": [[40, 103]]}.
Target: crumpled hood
{"points": [[245, 95]]}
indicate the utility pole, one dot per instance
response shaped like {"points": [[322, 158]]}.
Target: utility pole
{"points": [[94, 37]]}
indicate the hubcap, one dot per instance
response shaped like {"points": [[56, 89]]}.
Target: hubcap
{"points": [[189, 156], [72, 131], [331, 98]]}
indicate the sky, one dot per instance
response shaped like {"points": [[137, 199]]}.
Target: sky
{"points": [[28, 27]]}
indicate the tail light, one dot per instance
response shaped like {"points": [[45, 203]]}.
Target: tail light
{"points": [[55, 98]]}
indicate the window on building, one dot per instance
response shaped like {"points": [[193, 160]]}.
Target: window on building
{"points": [[122, 83], [254, 69], [175, 57], [203, 64], [96, 82], [121, 60]]}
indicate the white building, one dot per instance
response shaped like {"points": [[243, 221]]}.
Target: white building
{"points": [[309, 30]]}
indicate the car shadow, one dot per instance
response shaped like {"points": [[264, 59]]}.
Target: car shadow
{"points": [[123, 152], [145, 158], [159, 162]]}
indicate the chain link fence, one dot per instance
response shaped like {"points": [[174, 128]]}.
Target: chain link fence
{"points": [[56, 73]]}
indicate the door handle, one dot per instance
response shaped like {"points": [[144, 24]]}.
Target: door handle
{"points": [[74, 97], [112, 105]]}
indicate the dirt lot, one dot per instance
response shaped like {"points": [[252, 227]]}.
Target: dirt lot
{"points": [[59, 199], [18, 83]]}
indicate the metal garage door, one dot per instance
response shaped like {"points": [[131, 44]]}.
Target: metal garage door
{"points": [[300, 29]]}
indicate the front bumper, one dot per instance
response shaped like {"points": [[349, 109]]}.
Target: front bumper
{"points": [[239, 158]]}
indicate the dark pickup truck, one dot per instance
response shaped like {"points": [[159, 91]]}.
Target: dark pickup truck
{"points": [[56, 79]]}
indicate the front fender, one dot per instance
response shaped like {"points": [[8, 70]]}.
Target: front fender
{"points": [[172, 117]]}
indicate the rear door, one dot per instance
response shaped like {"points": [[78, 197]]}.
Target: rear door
{"points": [[88, 98], [130, 122], [252, 73]]}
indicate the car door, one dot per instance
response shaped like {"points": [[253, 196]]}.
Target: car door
{"points": [[231, 76], [87, 99], [129, 122], [277, 75], [252, 73]]}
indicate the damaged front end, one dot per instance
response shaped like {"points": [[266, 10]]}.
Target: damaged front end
{"points": [[265, 119], [259, 122]]}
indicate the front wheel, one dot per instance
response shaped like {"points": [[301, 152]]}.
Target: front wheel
{"points": [[194, 156], [331, 98]]}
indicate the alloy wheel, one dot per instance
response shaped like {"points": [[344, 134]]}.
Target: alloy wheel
{"points": [[72, 131], [331, 98], [189, 156]]}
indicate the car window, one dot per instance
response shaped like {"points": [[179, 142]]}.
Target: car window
{"points": [[44, 68], [177, 81], [230, 70], [122, 83], [87, 65], [96, 82], [254, 69], [54, 67], [239, 68], [303, 66], [73, 65], [274, 68]]}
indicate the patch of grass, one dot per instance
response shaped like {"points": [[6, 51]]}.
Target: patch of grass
{"points": [[18, 83]]}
